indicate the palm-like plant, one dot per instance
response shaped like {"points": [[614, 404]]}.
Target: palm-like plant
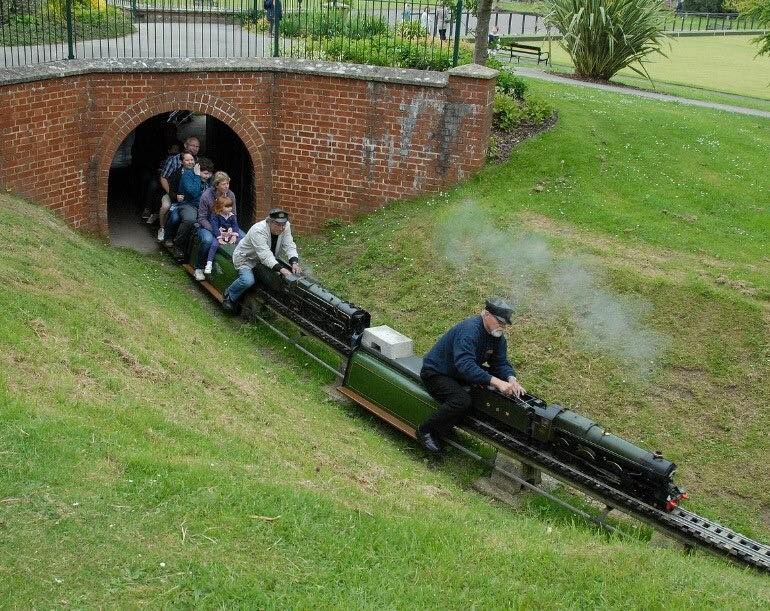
{"points": [[762, 13], [604, 36]]}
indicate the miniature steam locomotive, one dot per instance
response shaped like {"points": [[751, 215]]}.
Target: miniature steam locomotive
{"points": [[382, 370]]}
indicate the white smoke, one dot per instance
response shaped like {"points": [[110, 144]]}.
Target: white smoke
{"points": [[545, 284]]}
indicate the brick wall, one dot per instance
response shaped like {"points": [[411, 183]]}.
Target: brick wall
{"points": [[325, 140]]}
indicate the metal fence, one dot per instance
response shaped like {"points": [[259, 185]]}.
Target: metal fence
{"points": [[705, 22], [422, 34]]}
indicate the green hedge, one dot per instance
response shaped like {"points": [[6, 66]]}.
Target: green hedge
{"points": [[392, 51], [330, 24]]}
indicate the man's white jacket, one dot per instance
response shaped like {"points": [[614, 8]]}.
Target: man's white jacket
{"points": [[254, 249]]}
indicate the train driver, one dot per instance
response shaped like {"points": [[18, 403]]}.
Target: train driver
{"points": [[456, 361], [264, 243]]}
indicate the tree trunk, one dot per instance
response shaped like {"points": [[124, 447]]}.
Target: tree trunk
{"points": [[482, 32]]}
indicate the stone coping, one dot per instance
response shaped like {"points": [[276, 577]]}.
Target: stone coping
{"points": [[77, 67]]}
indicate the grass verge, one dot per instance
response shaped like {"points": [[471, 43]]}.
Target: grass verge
{"points": [[717, 67]]}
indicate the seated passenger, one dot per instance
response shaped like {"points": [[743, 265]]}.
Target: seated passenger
{"points": [[224, 225], [455, 361], [191, 185], [220, 186], [264, 242], [171, 165], [169, 215]]}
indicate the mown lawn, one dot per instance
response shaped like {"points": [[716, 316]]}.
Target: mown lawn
{"points": [[720, 64], [155, 453]]}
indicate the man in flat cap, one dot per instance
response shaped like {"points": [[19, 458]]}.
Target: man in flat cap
{"points": [[264, 243], [456, 361]]}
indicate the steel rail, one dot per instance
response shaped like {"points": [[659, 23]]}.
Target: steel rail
{"points": [[598, 520], [687, 527]]}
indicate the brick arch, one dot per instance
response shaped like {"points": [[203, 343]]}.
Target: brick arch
{"points": [[147, 108]]}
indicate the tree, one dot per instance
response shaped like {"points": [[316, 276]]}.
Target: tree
{"points": [[480, 49]]}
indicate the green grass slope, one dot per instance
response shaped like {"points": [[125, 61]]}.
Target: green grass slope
{"points": [[651, 208], [155, 453]]}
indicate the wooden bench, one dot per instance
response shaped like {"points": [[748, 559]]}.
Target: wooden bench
{"points": [[518, 51]]}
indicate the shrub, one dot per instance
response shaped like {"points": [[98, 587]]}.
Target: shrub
{"points": [[507, 82], [328, 24], [537, 110], [510, 84], [704, 6], [411, 30], [604, 36], [391, 51], [508, 113]]}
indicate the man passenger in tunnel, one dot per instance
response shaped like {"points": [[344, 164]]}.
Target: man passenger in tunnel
{"points": [[173, 162], [191, 185], [220, 187], [456, 360], [264, 243]]}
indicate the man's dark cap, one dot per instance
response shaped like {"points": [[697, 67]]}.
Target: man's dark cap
{"points": [[278, 215], [500, 308]]}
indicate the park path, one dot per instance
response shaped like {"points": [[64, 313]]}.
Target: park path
{"points": [[650, 95]]}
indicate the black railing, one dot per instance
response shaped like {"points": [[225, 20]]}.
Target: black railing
{"points": [[422, 34], [704, 22]]}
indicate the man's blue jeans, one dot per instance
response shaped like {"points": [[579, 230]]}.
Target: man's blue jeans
{"points": [[205, 238], [172, 222], [244, 282]]}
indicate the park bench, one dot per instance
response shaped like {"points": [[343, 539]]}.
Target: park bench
{"points": [[518, 51]]}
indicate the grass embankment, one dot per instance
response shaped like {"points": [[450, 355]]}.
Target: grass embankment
{"points": [[671, 205], [722, 69], [156, 453]]}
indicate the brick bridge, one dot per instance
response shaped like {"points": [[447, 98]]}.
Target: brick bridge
{"points": [[326, 140]]}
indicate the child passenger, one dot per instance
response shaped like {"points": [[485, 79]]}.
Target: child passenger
{"points": [[224, 225]]}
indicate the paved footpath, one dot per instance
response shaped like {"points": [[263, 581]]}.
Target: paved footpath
{"points": [[652, 95]]}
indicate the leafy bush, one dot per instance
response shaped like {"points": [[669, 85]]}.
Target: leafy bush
{"points": [[397, 52], [328, 24], [537, 110], [510, 84], [604, 36], [508, 113], [507, 82], [704, 6], [411, 30]]}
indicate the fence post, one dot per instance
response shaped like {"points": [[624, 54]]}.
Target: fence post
{"points": [[458, 25], [277, 15], [69, 8]]}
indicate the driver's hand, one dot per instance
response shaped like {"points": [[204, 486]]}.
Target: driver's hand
{"points": [[295, 268], [285, 271], [517, 388]]}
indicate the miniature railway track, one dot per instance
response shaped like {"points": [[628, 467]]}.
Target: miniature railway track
{"points": [[690, 529]]}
